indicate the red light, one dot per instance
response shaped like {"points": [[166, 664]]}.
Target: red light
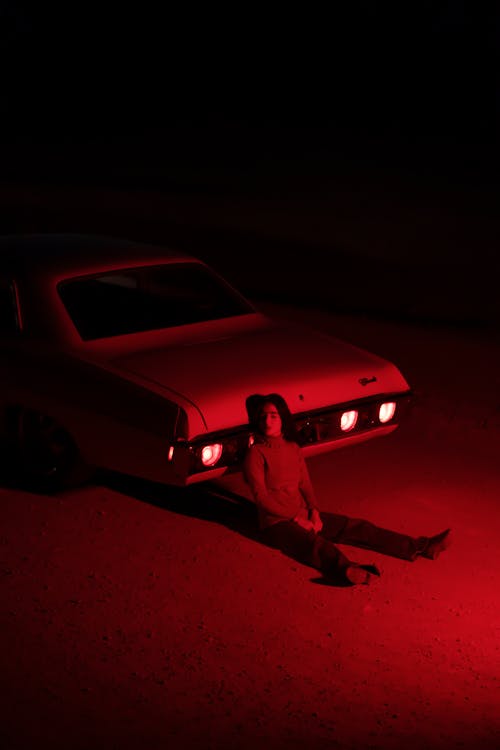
{"points": [[386, 411], [171, 453], [210, 454], [348, 420]]}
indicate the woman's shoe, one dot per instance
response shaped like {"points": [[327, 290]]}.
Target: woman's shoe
{"points": [[361, 574], [435, 545]]}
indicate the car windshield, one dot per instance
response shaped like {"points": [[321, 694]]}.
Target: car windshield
{"points": [[148, 298]]}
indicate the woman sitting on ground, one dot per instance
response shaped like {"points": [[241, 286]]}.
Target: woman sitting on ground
{"points": [[289, 517]]}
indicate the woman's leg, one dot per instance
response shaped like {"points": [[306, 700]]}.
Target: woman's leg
{"points": [[361, 533], [315, 550]]}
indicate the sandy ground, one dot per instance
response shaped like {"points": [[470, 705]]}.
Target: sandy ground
{"points": [[136, 616]]}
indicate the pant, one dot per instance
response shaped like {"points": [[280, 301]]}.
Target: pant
{"points": [[319, 550]]}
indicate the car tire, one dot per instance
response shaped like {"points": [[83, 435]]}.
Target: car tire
{"points": [[44, 456]]}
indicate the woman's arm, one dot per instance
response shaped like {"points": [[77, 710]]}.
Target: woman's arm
{"points": [[305, 484]]}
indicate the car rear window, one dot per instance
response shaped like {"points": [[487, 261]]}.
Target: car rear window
{"points": [[148, 298]]}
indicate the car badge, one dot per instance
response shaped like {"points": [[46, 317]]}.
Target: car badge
{"points": [[365, 381]]}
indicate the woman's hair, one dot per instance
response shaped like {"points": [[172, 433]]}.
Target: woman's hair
{"points": [[254, 405]]}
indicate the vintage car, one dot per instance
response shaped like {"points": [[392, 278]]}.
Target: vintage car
{"points": [[139, 359]]}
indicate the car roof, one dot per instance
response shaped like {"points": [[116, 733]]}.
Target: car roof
{"points": [[27, 254]]}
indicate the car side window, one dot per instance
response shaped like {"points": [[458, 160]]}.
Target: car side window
{"points": [[9, 313]]}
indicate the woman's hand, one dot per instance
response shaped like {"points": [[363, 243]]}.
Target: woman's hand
{"points": [[304, 522], [315, 520]]}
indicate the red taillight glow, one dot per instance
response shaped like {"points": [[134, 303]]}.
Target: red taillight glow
{"points": [[210, 454], [171, 453], [386, 411], [348, 420]]}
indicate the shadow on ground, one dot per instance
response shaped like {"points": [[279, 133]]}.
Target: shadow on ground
{"points": [[207, 502]]}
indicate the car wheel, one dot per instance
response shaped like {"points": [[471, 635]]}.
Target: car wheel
{"points": [[45, 456]]}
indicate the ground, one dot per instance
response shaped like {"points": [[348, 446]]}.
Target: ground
{"points": [[137, 616]]}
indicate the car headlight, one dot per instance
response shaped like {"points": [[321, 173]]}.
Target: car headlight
{"points": [[386, 411], [210, 454], [348, 420]]}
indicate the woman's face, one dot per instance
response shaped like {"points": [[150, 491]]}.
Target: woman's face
{"points": [[270, 420]]}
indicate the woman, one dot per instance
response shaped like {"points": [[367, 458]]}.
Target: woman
{"points": [[289, 518]]}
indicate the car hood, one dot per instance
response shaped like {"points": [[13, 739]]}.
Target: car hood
{"points": [[309, 369]]}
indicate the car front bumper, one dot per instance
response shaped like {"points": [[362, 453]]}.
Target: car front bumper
{"points": [[319, 432]]}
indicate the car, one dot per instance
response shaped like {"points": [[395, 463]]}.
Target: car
{"points": [[139, 359]]}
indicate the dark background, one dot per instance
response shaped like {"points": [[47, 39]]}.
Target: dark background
{"points": [[384, 117]]}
